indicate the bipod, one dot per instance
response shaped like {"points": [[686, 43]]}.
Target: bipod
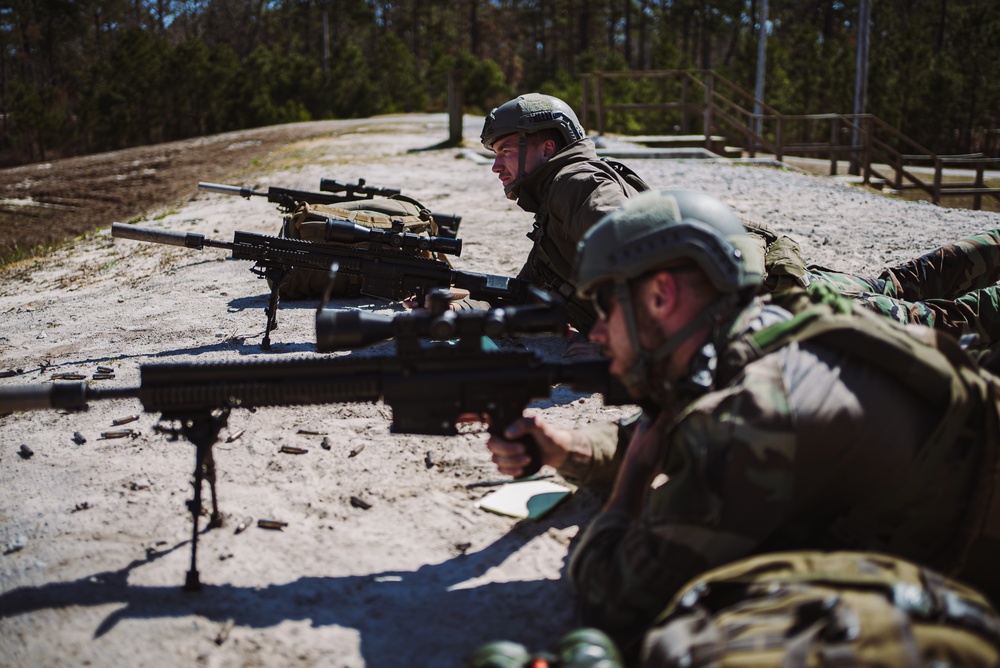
{"points": [[202, 430], [275, 277]]}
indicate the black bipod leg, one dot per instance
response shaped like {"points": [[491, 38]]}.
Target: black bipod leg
{"points": [[276, 277], [203, 432]]}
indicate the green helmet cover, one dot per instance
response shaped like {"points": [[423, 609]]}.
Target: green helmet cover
{"points": [[530, 113], [659, 227], [662, 228]]}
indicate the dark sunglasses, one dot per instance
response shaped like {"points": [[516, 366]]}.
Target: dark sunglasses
{"points": [[605, 293], [603, 296]]}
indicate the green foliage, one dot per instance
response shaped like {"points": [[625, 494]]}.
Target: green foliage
{"points": [[91, 76], [483, 83], [350, 91], [398, 84]]}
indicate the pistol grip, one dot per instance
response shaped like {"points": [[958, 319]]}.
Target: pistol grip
{"points": [[532, 450]]}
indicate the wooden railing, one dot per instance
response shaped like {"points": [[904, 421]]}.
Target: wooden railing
{"points": [[678, 100]]}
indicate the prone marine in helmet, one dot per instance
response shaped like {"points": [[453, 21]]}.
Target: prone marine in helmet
{"points": [[549, 166], [758, 432]]}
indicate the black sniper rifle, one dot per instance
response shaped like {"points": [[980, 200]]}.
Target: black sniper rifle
{"points": [[429, 385], [389, 268], [335, 192]]}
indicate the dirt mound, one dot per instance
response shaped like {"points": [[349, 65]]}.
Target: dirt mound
{"points": [[49, 203]]}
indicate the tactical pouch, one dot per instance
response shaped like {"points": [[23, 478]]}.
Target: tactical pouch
{"points": [[784, 266], [309, 223], [798, 609]]}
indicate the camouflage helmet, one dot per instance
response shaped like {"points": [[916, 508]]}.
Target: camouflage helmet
{"points": [[657, 228], [530, 113], [663, 228]]}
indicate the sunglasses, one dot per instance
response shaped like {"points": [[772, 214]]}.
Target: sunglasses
{"points": [[603, 296]]}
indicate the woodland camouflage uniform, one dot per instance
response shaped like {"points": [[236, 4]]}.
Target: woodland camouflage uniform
{"points": [[768, 460], [811, 445], [952, 288]]}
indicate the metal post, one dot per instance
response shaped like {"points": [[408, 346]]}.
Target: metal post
{"points": [[707, 120], [834, 142], [938, 172], [860, 79], [685, 100], [454, 108], [326, 42], [758, 122], [977, 199], [598, 108]]}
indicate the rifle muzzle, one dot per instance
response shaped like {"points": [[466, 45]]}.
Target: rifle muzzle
{"points": [[185, 239]]}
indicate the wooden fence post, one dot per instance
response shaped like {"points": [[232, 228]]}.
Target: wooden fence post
{"points": [[455, 105]]}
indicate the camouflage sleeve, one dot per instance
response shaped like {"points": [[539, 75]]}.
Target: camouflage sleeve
{"points": [[742, 461], [625, 569], [950, 271], [597, 451]]}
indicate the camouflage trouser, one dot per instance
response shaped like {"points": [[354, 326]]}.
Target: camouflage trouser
{"points": [[952, 288]]}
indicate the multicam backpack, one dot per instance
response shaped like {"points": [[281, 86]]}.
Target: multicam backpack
{"points": [[934, 366], [793, 609], [309, 222]]}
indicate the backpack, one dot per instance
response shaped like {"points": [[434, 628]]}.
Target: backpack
{"points": [[798, 609], [934, 366], [309, 221]]}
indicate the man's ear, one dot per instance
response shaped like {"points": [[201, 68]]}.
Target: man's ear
{"points": [[662, 295], [548, 149]]}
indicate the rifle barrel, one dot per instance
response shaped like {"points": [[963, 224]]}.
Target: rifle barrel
{"points": [[68, 396], [185, 239], [230, 190]]}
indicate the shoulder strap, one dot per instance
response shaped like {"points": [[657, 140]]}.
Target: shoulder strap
{"points": [[627, 173]]}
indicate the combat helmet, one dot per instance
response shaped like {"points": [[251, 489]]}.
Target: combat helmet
{"points": [[525, 115], [661, 229], [530, 113]]}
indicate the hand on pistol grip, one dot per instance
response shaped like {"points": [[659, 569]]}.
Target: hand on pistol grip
{"points": [[532, 450]]}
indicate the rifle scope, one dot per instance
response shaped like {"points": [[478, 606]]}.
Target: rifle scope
{"points": [[344, 231], [346, 330], [353, 189]]}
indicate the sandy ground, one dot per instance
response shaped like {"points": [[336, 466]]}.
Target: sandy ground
{"points": [[95, 536]]}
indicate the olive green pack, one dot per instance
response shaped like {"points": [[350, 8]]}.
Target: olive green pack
{"points": [[783, 265], [812, 609], [309, 222], [934, 366]]}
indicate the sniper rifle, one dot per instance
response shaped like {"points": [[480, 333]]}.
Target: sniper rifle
{"points": [[390, 267], [336, 192], [430, 386]]}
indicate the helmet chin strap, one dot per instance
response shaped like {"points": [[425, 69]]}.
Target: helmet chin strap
{"points": [[638, 377], [512, 189]]}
